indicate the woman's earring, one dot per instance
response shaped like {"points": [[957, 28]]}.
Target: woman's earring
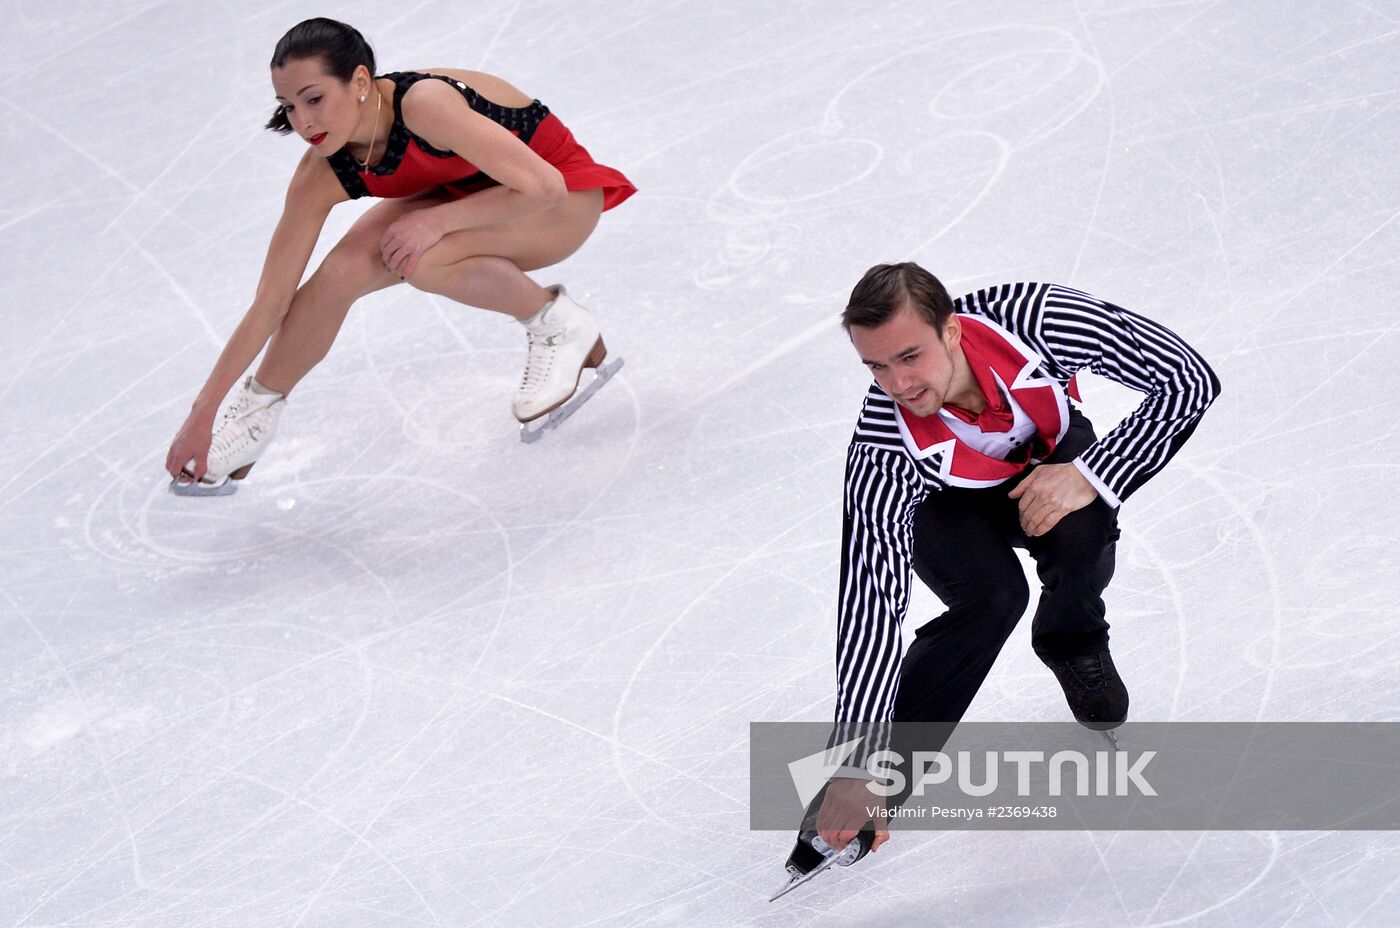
{"points": [[362, 98]]}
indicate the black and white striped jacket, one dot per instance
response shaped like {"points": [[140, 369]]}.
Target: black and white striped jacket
{"points": [[1070, 331]]}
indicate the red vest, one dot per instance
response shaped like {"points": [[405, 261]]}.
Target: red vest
{"points": [[999, 360]]}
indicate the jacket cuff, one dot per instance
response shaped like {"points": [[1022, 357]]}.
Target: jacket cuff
{"points": [[1105, 493]]}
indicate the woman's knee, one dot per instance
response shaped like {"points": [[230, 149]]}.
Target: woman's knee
{"points": [[437, 267], [431, 271], [353, 268]]}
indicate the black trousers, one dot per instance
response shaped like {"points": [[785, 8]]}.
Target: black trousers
{"points": [[963, 547]]}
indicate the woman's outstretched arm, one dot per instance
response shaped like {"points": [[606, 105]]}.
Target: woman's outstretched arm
{"points": [[310, 195]]}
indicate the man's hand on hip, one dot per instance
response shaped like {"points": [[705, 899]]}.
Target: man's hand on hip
{"points": [[1049, 493]]}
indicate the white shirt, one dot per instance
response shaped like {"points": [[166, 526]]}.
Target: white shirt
{"points": [[997, 445]]}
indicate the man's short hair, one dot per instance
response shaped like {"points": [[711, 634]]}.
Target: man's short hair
{"points": [[885, 287]]}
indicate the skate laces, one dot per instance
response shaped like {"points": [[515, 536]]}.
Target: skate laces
{"points": [[1089, 670], [243, 423], [539, 359]]}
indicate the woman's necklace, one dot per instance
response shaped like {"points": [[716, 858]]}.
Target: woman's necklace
{"points": [[364, 165]]}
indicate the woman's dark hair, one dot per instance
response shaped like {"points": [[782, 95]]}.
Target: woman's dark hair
{"points": [[341, 47], [885, 287]]}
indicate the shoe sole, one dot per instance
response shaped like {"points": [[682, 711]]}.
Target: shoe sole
{"points": [[1102, 726]]}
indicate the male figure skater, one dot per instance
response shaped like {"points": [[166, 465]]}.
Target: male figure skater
{"points": [[972, 399]]}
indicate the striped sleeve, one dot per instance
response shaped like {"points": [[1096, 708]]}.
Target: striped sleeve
{"points": [[1080, 332], [882, 489]]}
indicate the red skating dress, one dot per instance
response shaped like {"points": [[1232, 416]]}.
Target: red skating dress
{"points": [[410, 165]]}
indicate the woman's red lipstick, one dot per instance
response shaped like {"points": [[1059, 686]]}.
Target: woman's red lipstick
{"points": [[317, 139]]}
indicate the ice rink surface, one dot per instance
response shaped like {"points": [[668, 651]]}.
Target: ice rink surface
{"points": [[417, 673]]}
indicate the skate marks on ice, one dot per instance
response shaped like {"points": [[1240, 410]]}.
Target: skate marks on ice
{"points": [[780, 202], [942, 157], [305, 753]]}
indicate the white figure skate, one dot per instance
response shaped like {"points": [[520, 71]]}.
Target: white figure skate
{"points": [[239, 440], [564, 342]]}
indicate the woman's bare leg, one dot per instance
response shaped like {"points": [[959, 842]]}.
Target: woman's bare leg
{"points": [[353, 269], [485, 266], [481, 267]]}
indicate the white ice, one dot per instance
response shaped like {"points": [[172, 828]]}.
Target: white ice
{"points": [[416, 673]]}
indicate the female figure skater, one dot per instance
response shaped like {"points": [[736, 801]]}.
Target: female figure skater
{"points": [[482, 183]]}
